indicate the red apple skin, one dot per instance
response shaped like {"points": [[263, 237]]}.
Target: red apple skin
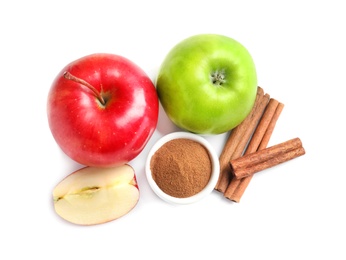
{"points": [[99, 135]]}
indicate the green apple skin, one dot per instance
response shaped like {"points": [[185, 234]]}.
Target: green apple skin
{"points": [[207, 84]]}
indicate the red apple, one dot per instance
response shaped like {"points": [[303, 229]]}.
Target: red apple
{"points": [[102, 110]]}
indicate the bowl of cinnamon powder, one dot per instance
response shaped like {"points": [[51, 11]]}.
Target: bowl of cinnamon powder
{"points": [[182, 168]]}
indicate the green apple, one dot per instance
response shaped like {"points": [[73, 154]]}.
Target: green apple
{"points": [[207, 84]]}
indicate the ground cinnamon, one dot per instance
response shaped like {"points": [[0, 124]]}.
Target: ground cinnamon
{"points": [[181, 167]]}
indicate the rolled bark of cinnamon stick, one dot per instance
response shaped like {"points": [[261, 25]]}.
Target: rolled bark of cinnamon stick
{"points": [[259, 141], [238, 139], [250, 127], [271, 126], [263, 159], [262, 126]]}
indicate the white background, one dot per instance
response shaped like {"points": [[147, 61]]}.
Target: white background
{"points": [[293, 211]]}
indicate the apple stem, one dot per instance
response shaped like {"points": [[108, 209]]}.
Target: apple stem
{"points": [[68, 75]]}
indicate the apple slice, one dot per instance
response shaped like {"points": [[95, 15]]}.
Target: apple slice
{"points": [[93, 195]]}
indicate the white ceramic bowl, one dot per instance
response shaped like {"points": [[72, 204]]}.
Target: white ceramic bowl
{"points": [[213, 178]]}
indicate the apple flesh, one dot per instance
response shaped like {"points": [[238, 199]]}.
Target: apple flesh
{"points": [[91, 195]]}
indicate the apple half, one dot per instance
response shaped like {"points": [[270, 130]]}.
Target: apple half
{"points": [[91, 195]]}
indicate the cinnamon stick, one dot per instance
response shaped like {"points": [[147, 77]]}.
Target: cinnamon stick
{"points": [[262, 126], [253, 121], [266, 158], [232, 145], [226, 156], [265, 130], [240, 189], [271, 126]]}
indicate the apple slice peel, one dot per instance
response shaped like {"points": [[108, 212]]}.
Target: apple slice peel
{"points": [[91, 195]]}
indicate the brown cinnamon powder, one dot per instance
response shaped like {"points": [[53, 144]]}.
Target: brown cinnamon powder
{"points": [[181, 167]]}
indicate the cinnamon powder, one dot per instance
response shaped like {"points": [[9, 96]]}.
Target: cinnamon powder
{"points": [[181, 167]]}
